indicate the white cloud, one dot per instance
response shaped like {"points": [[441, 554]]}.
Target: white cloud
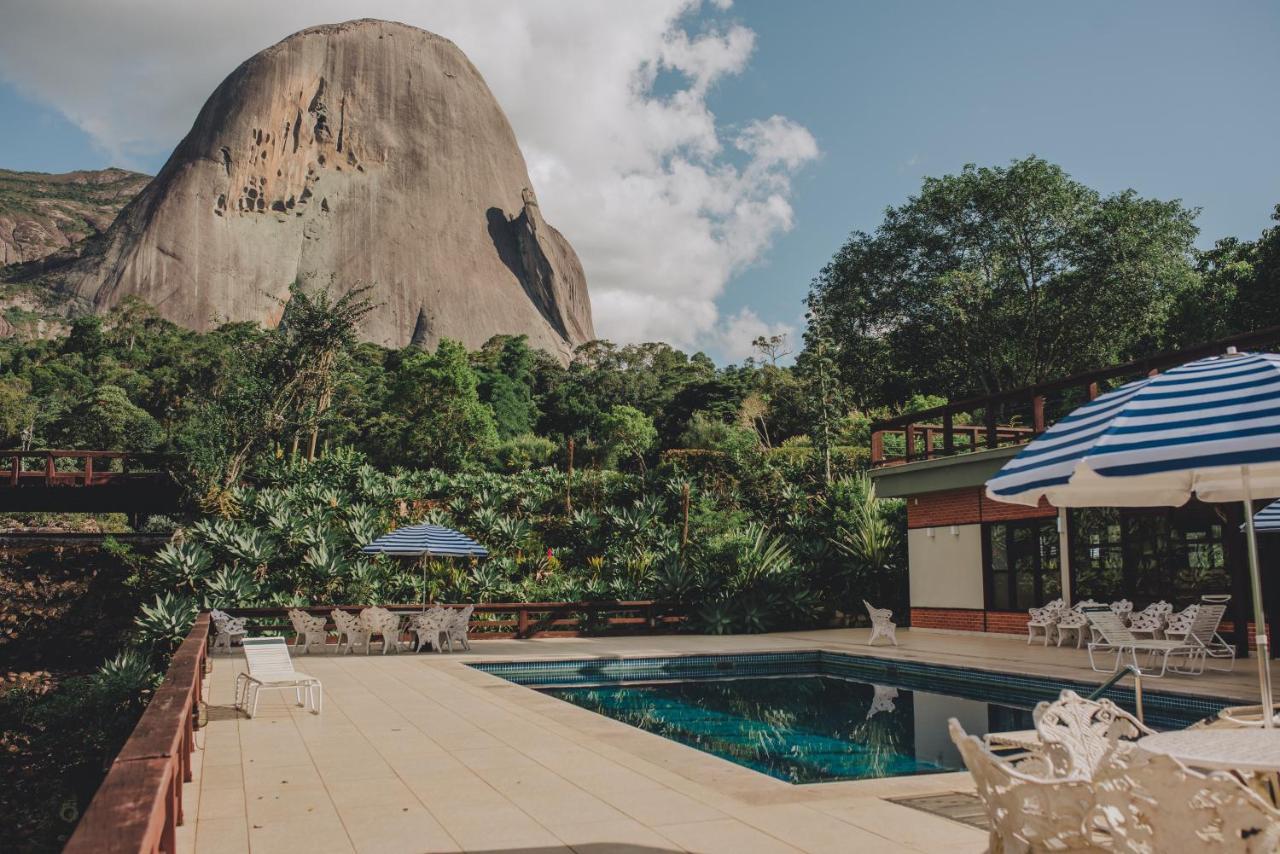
{"points": [[663, 204], [733, 336]]}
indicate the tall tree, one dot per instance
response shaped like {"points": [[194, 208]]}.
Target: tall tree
{"points": [[999, 277]]}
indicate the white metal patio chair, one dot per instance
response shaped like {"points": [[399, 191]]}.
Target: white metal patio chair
{"points": [[1027, 812], [1149, 802], [310, 630], [1122, 608], [1111, 636], [458, 626], [428, 628], [882, 624], [270, 667], [350, 627], [1073, 625], [1043, 622], [1151, 620], [1179, 624], [1076, 733], [227, 629], [383, 623]]}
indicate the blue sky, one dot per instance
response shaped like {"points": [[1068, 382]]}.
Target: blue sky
{"points": [[1173, 99]]}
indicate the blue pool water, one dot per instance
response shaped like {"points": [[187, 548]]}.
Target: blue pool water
{"points": [[815, 716]]}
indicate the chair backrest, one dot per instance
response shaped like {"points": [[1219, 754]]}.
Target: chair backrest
{"points": [[1122, 607], [268, 657], [1152, 802], [1161, 608], [460, 619], [1181, 621], [218, 616], [1109, 625], [299, 619], [1078, 732], [1037, 813], [1205, 624], [345, 622], [1086, 603], [879, 616]]}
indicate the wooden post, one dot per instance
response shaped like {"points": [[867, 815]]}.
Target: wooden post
{"points": [[522, 622], [948, 433], [1093, 391], [88, 470], [17, 469], [877, 448], [910, 441], [1037, 413], [993, 436], [928, 442], [48, 469]]}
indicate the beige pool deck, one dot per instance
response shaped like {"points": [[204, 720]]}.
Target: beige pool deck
{"points": [[419, 753]]}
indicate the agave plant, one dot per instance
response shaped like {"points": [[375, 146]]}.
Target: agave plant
{"points": [[363, 523], [510, 534], [251, 547], [716, 617], [181, 566], [128, 673], [164, 623], [230, 587], [488, 580], [760, 556]]}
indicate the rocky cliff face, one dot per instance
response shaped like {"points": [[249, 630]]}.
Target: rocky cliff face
{"points": [[360, 153], [42, 214]]}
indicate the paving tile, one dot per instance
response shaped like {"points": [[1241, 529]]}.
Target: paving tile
{"points": [[624, 836], [324, 834], [222, 836], [410, 830], [723, 836]]}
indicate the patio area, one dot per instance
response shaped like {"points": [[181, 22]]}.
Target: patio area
{"points": [[421, 753]]}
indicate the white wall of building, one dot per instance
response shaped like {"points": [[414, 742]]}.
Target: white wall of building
{"points": [[946, 568]]}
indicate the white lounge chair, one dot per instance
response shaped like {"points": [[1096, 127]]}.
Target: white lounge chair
{"points": [[882, 624], [350, 628], [310, 630], [1043, 622], [1204, 642], [1111, 636], [270, 667], [227, 629]]}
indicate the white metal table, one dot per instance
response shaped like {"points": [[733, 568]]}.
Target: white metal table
{"points": [[1250, 749]]}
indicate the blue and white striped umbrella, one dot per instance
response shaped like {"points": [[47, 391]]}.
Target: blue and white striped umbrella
{"points": [[1209, 428], [419, 540], [1160, 440], [1267, 520]]}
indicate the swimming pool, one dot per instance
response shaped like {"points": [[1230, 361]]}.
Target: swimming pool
{"points": [[810, 717]]}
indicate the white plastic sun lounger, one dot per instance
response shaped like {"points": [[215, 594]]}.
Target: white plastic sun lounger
{"points": [[270, 667], [1112, 637]]}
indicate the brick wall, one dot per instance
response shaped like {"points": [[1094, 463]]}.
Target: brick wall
{"points": [[969, 620], [967, 506]]}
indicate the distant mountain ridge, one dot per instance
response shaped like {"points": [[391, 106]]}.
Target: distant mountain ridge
{"points": [[42, 214], [367, 152]]}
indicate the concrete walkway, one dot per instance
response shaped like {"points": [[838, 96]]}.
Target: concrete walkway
{"points": [[417, 753]]}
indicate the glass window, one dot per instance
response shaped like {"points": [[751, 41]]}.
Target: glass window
{"points": [[1021, 564], [1146, 554]]}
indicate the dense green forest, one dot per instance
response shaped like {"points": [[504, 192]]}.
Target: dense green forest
{"points": [[736, 493]]}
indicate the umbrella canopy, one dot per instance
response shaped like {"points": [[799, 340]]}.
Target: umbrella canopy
{"points": [[1267, 520], [420, 540], [1209, 428], [1160, 440]]}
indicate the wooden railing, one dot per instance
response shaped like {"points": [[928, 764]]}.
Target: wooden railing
{"points": [[934, 432], [139, 804], [77, 468], [497, 620]]}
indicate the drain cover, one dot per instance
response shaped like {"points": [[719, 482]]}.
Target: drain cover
{"points": [[964, 807]]}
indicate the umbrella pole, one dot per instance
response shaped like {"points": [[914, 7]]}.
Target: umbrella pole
{"points": [[423, 562], [1259, 616]]}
